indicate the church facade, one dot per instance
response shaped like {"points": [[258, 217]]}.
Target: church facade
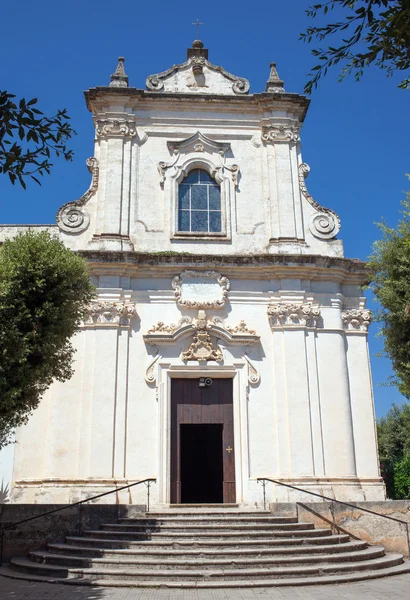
{"points": [[228, 337]]}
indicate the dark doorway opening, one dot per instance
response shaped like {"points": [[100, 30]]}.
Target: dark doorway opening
{"points": [[201, 464]]}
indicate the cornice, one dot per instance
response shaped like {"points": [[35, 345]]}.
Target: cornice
{"points": [[134, 96], [265, 266]]}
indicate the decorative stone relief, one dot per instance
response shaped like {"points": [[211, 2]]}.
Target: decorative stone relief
{"points": [[200, 289], [326, 223], [202, 349], [150, 373], [72, 217], [160, 327], [108, 313], [241, 328], [357, 319], [115, 128], [169, 334], [281, 133], [293, 315]]}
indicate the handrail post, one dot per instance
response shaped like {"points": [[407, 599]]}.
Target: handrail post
{"points": [[148, 484], [332, 510], [263, 481], [1, 545], [408, 537], [80, 507]]}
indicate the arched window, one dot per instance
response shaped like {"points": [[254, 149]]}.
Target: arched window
{"points": [[199, 203]]}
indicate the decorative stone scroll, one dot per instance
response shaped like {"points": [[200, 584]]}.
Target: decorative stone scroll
{"points": [[200, 289], [105, 128], [150, 373], [72, 217], [325, 224], [293, 315], [164, 166], [108, 313], [357, 319], [253, 375], [233, 169], [281, 133]]}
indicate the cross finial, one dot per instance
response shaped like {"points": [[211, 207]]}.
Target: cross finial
{"points": [[197, 23]]}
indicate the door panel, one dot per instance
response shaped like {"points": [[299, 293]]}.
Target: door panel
{"points": [[191, 404]]}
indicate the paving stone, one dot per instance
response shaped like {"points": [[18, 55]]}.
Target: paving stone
{"points": [[393, 588]]}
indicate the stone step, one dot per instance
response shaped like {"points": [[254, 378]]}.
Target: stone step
{"points": [[174, 513], [362, 575], [170, 552], [228, 535], [239, 575], [181, 520], [201, 528], [244, 562], [111, 542]]}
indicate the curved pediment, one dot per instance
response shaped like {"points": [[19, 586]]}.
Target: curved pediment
{"points": [[197, 75], [198, 143], [162, 333]]}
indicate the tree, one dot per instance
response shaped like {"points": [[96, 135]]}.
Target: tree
{"points": [[373, 32], [389, 273], [44, 290], [393, 432], [28, 139]]}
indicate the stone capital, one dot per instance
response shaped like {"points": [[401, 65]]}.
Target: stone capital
{"points": [[293, 315], [109, 313], [122, 128], [356, 319]]}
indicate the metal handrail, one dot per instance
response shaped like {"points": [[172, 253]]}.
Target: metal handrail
{"points": [[50, 512], [333, 500]]}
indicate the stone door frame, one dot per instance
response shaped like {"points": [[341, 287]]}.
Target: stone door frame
{"points": [[237, 371]]}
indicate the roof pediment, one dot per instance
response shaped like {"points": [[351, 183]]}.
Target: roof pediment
{"points": [[197, 75]]}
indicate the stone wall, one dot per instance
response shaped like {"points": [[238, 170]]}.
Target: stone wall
{"points": [[70, 521], [373, 528]]}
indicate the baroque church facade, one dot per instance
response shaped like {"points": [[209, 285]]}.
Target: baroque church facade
{"points": [[228, 337]]}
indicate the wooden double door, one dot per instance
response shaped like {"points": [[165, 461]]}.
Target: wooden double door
{"points": [[202, 442]]}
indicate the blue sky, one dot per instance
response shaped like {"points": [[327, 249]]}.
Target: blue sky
{"points": [[355, 137]]}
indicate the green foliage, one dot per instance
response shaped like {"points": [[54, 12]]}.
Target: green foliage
{"points": [[373, 32], [28, 139], [44, 290], [393, 432], [402, 478], [389, 272]]}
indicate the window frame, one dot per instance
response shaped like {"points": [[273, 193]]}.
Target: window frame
{"points": [[190, 211], [224, 183]]}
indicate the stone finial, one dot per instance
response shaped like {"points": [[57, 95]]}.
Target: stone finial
{"points": [[119, 78], [197, 50], [274, 84]]}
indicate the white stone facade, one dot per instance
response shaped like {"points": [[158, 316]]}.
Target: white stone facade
{"points": [[268, 300]]}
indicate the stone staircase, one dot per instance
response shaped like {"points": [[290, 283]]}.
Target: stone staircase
{"points": [[207, 548]]}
